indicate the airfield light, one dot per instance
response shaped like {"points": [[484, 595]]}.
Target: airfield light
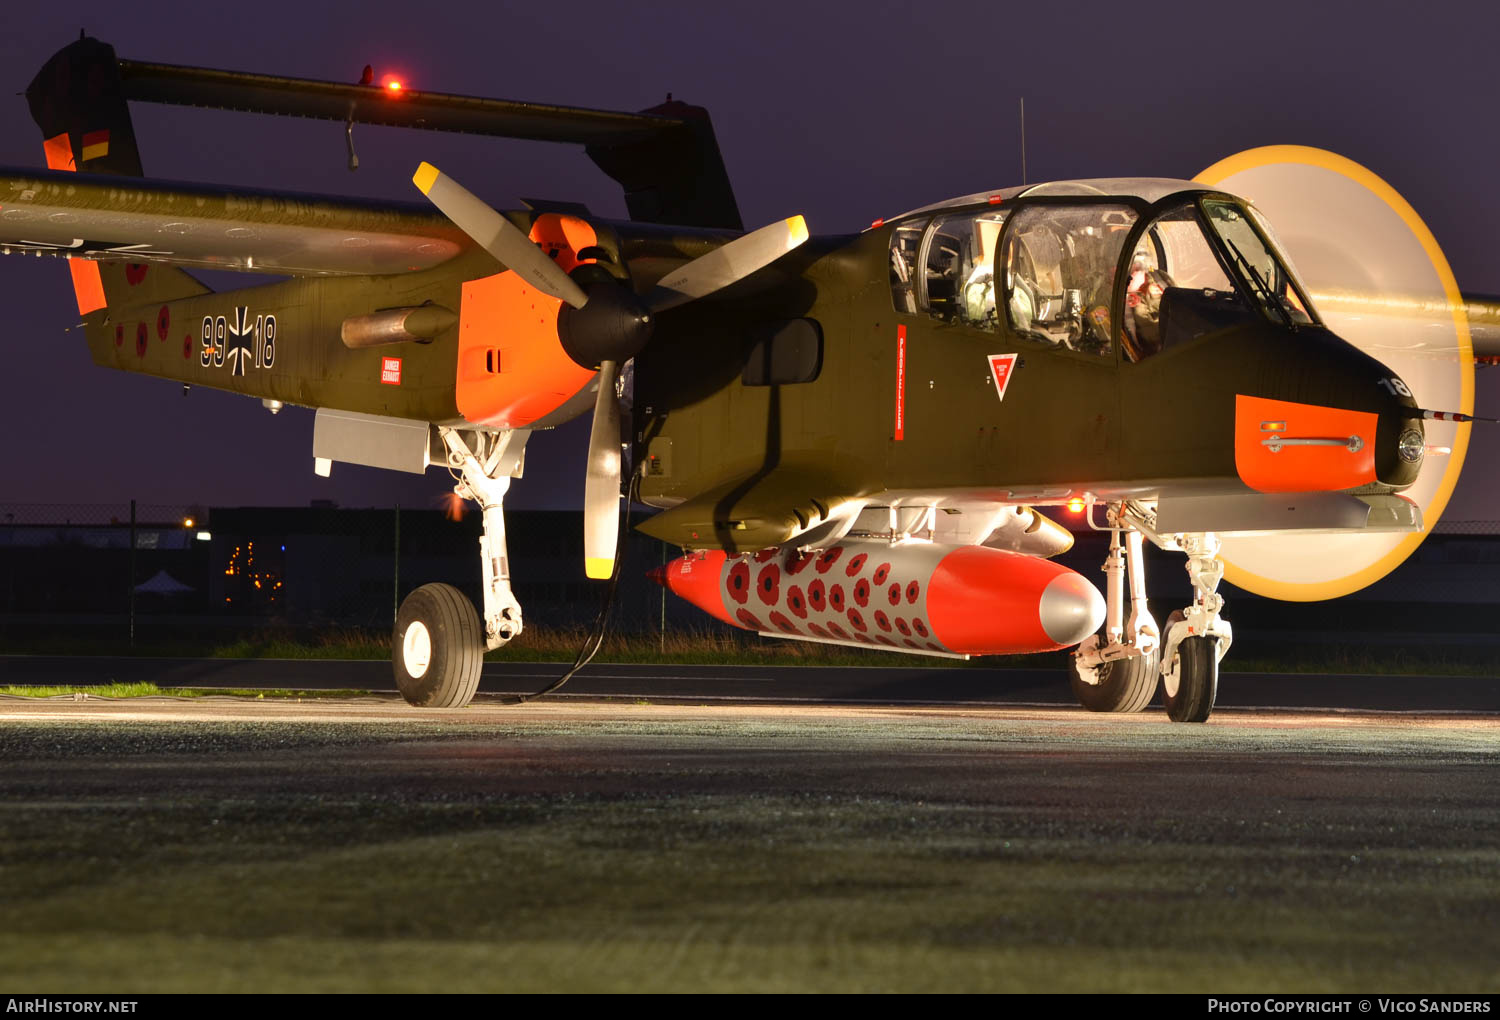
{"points": [[1075, 505], [187, 522], [204, 536]]}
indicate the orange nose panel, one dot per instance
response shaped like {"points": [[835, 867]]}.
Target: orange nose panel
{"points": [[511, 367], [1280, 446]]}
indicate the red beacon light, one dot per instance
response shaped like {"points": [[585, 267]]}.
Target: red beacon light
{"points": [[393, 85], [1076, 504]]}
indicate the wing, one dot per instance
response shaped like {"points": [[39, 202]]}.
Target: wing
{"points": [[213, 227]]}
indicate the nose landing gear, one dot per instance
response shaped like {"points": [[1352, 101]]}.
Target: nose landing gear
{"points": [[1118, 671]]}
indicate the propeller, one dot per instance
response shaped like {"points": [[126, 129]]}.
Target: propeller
{"points": [[605, 325]]}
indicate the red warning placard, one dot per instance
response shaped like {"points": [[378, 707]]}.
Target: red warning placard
{"points": [[390, 371], [1001, 366]]}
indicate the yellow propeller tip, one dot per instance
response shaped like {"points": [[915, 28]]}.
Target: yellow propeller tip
{"points": [[425, 177], [798, 227], [598, 568]]}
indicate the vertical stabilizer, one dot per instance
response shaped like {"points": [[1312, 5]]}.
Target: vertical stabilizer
{"points": [[78, 102]]}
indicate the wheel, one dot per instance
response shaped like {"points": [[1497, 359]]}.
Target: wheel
{"points": [[437, 648], [1121, 685], [1190, 688]]}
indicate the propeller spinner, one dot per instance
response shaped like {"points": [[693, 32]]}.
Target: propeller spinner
{"points": [[605, 325]]}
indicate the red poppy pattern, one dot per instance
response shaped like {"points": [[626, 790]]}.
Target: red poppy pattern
{"points": [[739, 582], [768, 585], [817, 606], [797, 602], [163, 323]]}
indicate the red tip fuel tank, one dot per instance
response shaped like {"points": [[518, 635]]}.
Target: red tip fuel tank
{"points": [[914, 596]]}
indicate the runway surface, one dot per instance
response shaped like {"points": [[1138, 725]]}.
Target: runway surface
{"points": [[612, 845], [782, 684]]}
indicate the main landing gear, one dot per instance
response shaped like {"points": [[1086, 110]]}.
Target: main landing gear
{"points": [[1118, 670], [438, 646]]}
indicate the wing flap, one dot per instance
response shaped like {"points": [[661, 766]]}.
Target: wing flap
{"points": [[214, 227]]}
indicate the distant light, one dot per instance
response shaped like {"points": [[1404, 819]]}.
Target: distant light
{"points": [[1076, 504], [203, 536], [187, 522], [393, 86]]}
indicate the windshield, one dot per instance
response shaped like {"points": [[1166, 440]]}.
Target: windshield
{"points": [[1262, 271]]}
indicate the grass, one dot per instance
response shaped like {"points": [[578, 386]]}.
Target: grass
{"points": [[724, 646], [150, 690]]}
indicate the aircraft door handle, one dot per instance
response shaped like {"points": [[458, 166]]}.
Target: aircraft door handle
{"points": [[1274, 443]]}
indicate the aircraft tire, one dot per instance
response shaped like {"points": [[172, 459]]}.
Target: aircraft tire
{"points": [[1125, 685], [437, 648], [1197, 681]]}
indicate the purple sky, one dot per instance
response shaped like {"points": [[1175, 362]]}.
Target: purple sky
{"points": [[843, 112]]}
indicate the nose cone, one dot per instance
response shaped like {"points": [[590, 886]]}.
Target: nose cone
{"points": [[697, 578], [658, 575], [1070, 609]]}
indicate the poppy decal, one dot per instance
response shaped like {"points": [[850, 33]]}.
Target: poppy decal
{"points": [[918, 626], [912, 644], [894, 594], [912, 591], [782, 624], [748, 619], [881, 573], [836, 598], [901, 625], [768, 585], [796, 602], [739, 582], [817, 630], [163, 323], [187, 346], [767, 554], [862, 592], [829, 558], [856, 620], [882, 621], [856, 564], [815, 596], [885, 640], [798, 564], [140, 339], [839, 631]]}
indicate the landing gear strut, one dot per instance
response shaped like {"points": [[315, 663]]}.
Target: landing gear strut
{"points": [[438, 646], [1117, 671]]}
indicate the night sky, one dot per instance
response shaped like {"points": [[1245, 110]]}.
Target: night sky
{"points": [[843, 112]]}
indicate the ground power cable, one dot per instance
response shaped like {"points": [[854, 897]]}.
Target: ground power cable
{"points": [[600, 628]]}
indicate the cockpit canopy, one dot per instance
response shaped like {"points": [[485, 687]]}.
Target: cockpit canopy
{"points": [[1075, 268]]}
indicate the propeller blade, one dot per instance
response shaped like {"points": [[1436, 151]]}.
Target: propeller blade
{"points": [[601, 487], [729, 264], [497, 235]]}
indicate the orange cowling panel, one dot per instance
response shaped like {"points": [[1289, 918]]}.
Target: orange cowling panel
{"points": [[511, 367], [1298, 468]]}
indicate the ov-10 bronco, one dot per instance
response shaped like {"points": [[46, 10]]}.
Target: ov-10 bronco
{"points": [[851, 437]]}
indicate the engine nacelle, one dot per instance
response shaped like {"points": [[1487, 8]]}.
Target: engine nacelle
{"points": [[912, 596]]}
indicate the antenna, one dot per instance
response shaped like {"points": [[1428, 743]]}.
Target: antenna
{"points": [[1023, 140]]}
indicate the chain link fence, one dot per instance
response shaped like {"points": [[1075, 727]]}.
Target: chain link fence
{"points": [[137, 569]]}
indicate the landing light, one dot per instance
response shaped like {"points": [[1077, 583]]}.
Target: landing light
{"points": [[393, 86]]}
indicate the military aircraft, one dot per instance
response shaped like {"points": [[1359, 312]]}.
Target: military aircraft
{"points": [[849, 436]]}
